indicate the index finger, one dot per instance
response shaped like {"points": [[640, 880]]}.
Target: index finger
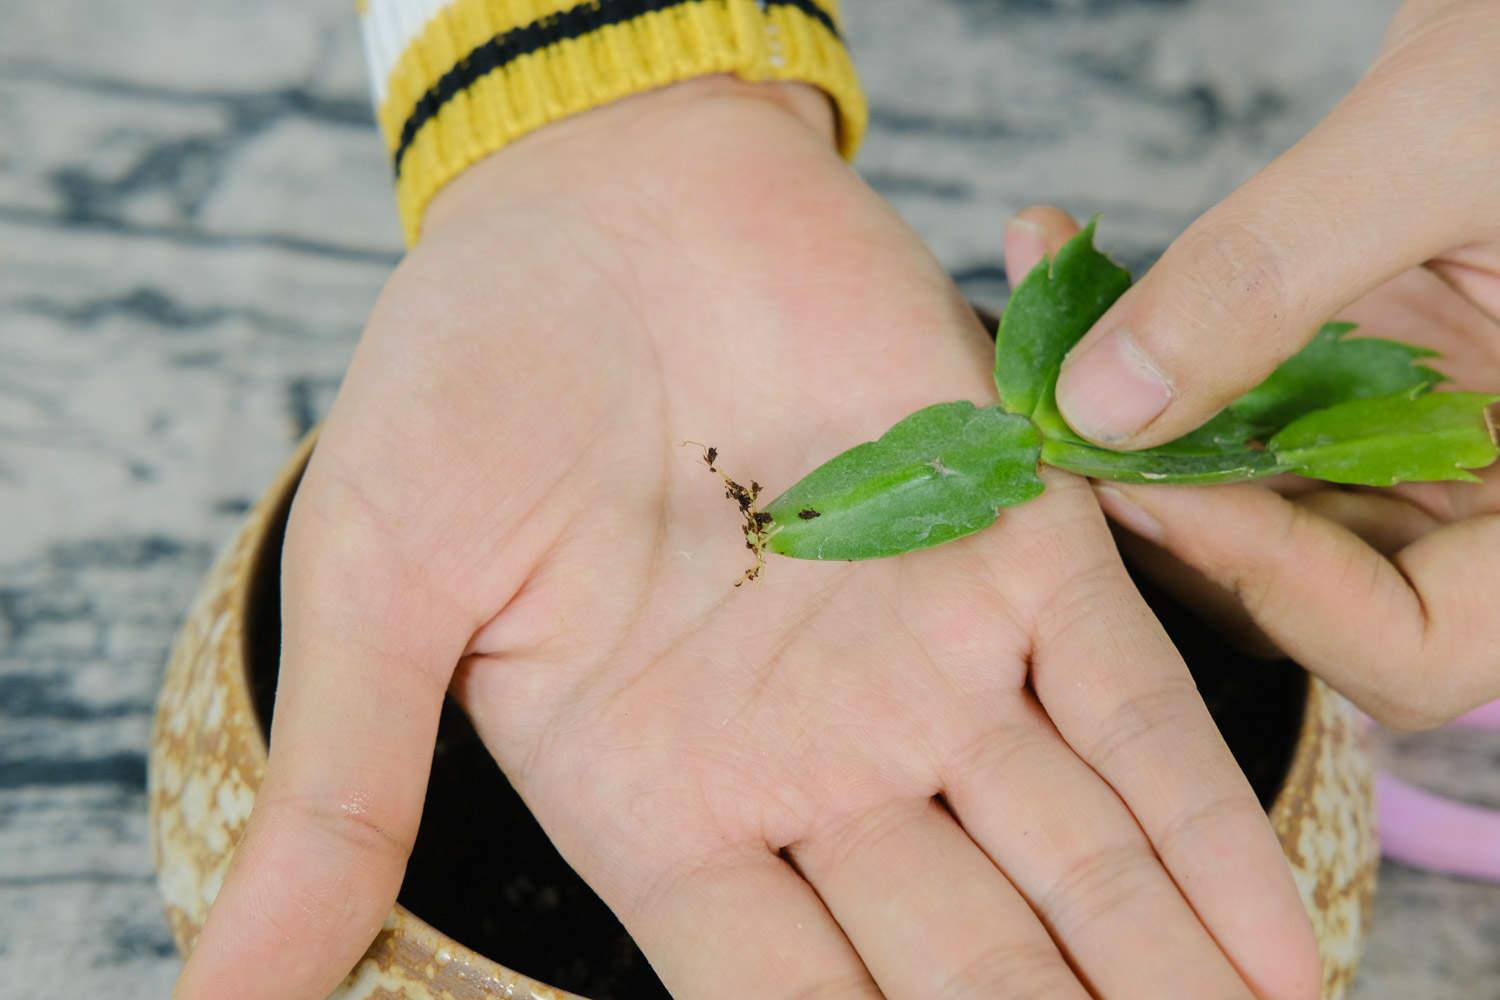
{"points": [[1122, 698], [1409, 638]]}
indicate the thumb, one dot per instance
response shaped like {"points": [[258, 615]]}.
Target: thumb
{"points": [[364, 671], [1387, 181]]}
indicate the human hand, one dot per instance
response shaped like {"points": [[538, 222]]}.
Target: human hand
{"points": [[1401, 174], [979, 770], [1387, 594]]}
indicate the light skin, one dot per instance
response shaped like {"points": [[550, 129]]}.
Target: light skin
{"points": [[979, 770], [1387, 214]]}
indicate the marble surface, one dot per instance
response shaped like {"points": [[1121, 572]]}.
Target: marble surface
{"points": [[195, 216]]}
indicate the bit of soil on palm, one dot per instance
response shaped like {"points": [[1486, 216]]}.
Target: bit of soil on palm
{"points": [[758, 525]]}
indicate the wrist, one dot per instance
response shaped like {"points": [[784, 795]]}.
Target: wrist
{"points": [[457, 83], [588, 165], [805, 102]]}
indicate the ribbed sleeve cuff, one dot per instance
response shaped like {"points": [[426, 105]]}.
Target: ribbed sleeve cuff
{"points": [[456, 80]]}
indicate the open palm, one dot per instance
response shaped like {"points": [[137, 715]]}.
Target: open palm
{"points": [[979, 770]]}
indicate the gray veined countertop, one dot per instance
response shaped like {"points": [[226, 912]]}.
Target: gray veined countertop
{"points": [[195, 216]]}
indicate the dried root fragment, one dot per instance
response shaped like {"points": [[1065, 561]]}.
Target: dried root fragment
{"points": [[758, 525]]}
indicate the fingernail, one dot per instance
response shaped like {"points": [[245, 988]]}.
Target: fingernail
{"points": [[1024, 246], [1127, 512], [1112, 390]]}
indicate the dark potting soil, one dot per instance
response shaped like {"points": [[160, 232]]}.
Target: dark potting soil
{"points": [[485, 874]]}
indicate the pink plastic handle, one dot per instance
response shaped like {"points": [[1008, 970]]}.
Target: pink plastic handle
{"points": [[1483, 717], [1426, 830]]}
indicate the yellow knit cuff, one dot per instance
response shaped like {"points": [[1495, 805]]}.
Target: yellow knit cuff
{"points": [[473, 75]]}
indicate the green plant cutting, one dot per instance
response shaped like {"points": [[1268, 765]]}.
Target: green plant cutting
{"points": [[1346, 410]]}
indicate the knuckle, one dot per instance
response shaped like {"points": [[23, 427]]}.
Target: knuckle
{"points": [[1096, 886], [854, 986], [344, 860], [350, 822], [996, 752], [1092, 585], [336, 529], [1018, 969], [653, 887], [350, 570], [1171, 706], [860, 837], [1188, 828], [1233, 278]]}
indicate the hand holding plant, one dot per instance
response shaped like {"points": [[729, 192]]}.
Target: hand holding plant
{"points": [[1386, 593], [1386, 214]]}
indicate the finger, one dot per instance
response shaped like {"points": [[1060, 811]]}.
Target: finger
{"points": [[1474, 273], [1452, 501], [1250, 281], [359, 693], [1031, 234], [1070, 845], [1123, 700], [1386, 523], [928, 912], [1409, 639], [747, 925], [1191, 588]]}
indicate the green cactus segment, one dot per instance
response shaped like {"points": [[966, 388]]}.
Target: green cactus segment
{"points": [[1198, 469], [1049, 312], [1401, 438], [941, 473]]}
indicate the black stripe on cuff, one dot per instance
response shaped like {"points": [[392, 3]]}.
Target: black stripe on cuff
{"points": [[575, 22]]}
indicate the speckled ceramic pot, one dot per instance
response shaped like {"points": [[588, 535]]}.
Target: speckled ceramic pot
{"points": [[208, 756]]}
